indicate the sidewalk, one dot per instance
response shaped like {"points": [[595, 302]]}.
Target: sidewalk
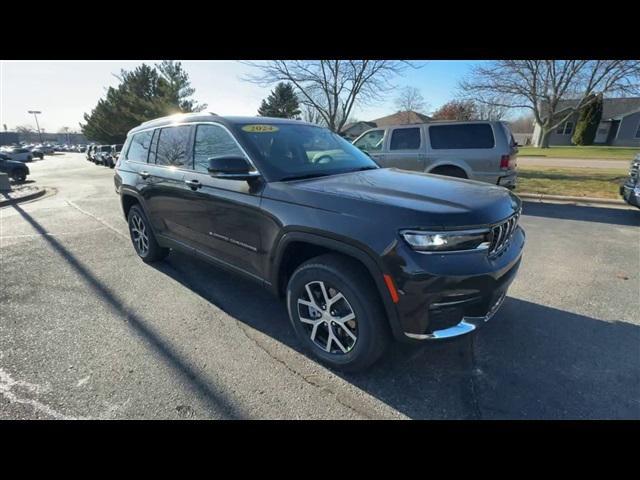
{"points": [[21, 193], [525, 161], [609, 202]]}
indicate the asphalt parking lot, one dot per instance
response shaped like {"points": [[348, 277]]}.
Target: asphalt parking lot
{"points": [[87, 330]]}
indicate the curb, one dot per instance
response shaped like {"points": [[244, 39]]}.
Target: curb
{"points": [[31, 196], [542, 197]]}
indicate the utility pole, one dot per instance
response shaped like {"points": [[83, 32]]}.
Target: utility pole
{"points": [[35, 114]]}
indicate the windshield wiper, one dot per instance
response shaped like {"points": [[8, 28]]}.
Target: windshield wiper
{"points": [[302, 177], [370, 167]]}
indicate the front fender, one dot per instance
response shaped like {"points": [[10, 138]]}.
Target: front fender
{"points": [[373, 266]]}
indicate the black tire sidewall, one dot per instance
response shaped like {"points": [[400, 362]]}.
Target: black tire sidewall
{"points": [[154, 252], [362, 308]]}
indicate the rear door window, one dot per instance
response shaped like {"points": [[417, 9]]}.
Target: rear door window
{"points": [[472, 135], [173, 147], [405, 139]]}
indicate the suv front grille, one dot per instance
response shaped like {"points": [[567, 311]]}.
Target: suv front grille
{"points": [[635, 167], [501, 234]]}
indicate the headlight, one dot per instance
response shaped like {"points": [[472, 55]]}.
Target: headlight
{"points": [[447, 241]]}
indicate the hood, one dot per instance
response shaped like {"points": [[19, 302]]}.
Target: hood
{"points": [[414, 199]]}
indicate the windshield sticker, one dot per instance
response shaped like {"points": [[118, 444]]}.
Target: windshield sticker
{"points": [[260, 128]]}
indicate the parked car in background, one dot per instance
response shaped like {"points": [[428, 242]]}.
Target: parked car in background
{"points": [[19, 154], [630, 190], [36, 152], [101, 154], [358, 252], [89, 152], [114, 153], [17, 171], [477, 150], [46, 149]]}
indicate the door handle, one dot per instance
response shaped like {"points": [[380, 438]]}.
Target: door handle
{"points": [[144, 174], [193, 184]]}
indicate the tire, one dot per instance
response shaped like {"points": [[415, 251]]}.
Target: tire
{"points": [[339, 275], [148, 250], [19, 177], [29, 158], [449, 172]]}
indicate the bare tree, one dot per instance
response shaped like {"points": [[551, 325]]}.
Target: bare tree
{"points": [[410, 100], [522, 124], [26, 131], [494, 109], [311, 115], [331, 87], [540, 85]]}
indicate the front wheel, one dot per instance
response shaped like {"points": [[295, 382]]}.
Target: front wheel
{"points": [[337, 313], [142, 237]]}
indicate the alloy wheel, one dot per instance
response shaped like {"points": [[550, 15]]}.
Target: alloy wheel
{"points": [[139, 234], [328, 318]]}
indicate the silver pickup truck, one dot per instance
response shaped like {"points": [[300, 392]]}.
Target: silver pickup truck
{"points": [[478, 150]]}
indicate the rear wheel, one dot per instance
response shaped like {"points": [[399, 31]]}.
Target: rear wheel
{"points": [[142, 237], [336, 312], [19, 176], [450, 172]]}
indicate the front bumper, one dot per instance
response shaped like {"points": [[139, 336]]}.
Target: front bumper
{"points": [[628, 195], [449, 295]]}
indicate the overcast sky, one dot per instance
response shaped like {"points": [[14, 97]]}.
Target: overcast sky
{"points": [[65, 90]]}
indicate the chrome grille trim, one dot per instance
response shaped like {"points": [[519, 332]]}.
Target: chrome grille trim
{"points": [[501, 234]]}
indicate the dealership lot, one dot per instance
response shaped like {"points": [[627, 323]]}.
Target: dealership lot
{"points": [[89, 331]]}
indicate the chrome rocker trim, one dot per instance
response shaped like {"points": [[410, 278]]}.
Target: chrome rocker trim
{"points": [[466, 325]]}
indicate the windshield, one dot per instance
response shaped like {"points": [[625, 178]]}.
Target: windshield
{"points": [[290, 151]]}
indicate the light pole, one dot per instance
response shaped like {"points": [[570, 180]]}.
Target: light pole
{"points": [[35, 114]]}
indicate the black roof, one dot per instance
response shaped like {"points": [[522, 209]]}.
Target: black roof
{"points": [[208, 117]]}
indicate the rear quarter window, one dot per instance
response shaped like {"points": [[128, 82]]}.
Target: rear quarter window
{"points": [[458, 137], [139, 147]]}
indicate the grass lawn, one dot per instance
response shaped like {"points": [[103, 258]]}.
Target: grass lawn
{"points": [[578, 182], [594, 152]]}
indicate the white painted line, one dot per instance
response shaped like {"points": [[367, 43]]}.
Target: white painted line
{"points": [[110, 227], [8, 384]]}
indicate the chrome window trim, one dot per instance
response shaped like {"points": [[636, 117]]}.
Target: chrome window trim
{"points": [[177, 124]]}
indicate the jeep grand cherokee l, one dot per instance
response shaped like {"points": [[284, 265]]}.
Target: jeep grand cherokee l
{"points": [[360, 253]]}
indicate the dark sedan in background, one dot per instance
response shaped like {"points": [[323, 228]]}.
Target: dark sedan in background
{"points": [[17, 171]]}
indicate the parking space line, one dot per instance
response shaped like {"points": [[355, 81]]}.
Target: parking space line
{"points": [[110, 227]]}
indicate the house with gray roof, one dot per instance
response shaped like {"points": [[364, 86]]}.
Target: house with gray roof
{"points": [[619, 126], [354, 129]]}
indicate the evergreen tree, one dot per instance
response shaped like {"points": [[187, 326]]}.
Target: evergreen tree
{"points": [[282, 102], [143, 94], [588, 122]]}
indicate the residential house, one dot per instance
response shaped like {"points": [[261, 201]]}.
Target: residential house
{"points": [[619, 126], [354, 129], [402, 118]]}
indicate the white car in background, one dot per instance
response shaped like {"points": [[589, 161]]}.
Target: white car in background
{"points": [[19, 154]]}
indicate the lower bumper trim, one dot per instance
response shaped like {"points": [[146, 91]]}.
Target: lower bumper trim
{"points": [[466, 325]]}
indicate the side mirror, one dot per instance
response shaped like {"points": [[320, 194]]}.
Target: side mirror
{"points": [[232, 167]]}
